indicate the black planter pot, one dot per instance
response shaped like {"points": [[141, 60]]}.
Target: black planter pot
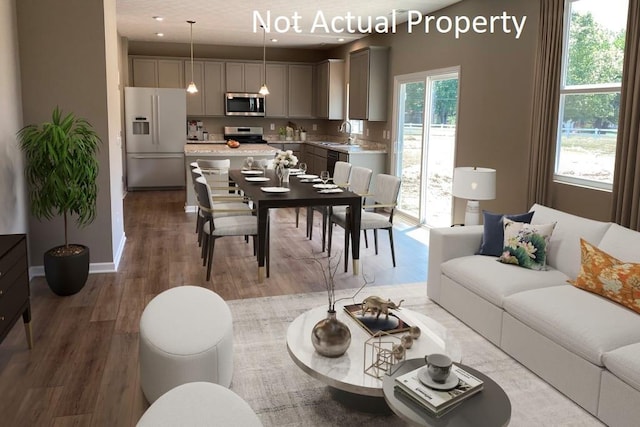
{"points": [[66, 274]]}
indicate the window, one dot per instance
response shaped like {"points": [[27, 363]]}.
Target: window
{"points": [[590, 91], [357, 126]]}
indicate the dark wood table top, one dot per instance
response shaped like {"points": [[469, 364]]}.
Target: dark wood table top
{"points": [[301, 194]]}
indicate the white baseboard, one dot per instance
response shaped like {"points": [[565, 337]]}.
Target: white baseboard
{"points": [[94, 267], [190, 209]]}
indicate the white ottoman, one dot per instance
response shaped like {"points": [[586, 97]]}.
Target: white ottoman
{"points": [[199, 404], [186, 335]]}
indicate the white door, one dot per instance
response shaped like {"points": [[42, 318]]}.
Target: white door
{"points": [[425, 117]]}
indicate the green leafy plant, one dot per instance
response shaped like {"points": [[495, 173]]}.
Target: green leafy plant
{"points": [[61, 168]]}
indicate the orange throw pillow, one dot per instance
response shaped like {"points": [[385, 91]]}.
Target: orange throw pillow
{"points": [[609, 277]]}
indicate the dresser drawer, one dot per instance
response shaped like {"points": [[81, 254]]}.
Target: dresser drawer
{"points": [[12, 302], [10, 274], [13, 256]]}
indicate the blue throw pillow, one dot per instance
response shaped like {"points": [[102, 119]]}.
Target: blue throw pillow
{"points": [[493, 236]]}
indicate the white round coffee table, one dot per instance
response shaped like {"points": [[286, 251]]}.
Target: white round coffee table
{"points": [[347, 371]]}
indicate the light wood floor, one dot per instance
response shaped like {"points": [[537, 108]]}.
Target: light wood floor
{"points": [[83, 369]]}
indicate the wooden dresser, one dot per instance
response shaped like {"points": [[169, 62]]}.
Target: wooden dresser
{"points": [[14, 285]]}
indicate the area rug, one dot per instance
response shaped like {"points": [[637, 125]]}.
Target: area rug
{"points": [[283, 395]]}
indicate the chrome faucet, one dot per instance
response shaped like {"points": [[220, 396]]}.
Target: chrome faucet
{"points": [[345, 127]]}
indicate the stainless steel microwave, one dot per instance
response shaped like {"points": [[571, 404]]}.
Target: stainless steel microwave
{"points": [[244, 104]]}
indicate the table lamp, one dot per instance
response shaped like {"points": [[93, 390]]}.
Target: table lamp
{"points": [[474, 184]]}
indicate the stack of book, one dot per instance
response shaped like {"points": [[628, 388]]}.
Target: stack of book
{"points": [[434, 399]]}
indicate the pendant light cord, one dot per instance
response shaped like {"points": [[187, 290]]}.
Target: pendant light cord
{"points": [[264, 55], [191, 37]]}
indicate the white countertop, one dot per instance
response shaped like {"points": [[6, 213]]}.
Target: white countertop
{"points": [[224, 150]]}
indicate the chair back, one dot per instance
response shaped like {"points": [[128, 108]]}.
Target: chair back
{"points": [[214, 164], [360, 179], [204, 198], [218, 172], [195, 173], [341, 173], [387, 188]]}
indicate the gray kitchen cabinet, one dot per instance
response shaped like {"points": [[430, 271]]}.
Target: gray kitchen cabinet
{"points": [[300, 91], [243, 77], [195, 101], [318, 160], [276, 101], [330, 88], [154, 72], [296, 147], [214, 88], [368, 81]]}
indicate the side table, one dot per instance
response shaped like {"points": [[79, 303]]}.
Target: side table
{"points": [[489, 408]]}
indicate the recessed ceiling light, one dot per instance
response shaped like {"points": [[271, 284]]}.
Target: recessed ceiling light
{"points": [[160, 34], [274, 40], [158, 18], [341, 39]]}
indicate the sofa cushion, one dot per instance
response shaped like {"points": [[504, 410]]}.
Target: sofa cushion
{"points": [[624, 363], [564, 252], [493, 231], [621, 242], [526, 245], [606, 275], [584, 323], [494, 281]]}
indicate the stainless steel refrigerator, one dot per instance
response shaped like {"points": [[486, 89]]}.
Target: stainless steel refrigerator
{"points": [[156, 134]]}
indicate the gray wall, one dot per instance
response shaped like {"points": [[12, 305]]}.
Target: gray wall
{"points": [[63, 49], [13, 216]]}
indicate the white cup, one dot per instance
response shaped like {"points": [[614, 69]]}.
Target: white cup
{"points": [[438, 366]]}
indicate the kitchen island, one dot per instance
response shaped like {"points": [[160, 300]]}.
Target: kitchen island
{"points": [[220, 151]]}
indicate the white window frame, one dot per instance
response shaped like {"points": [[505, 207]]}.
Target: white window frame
{"points": [[576, 90]]}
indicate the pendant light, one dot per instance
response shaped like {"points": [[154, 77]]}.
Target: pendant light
{"points": [[192, 86], [264, 90]]}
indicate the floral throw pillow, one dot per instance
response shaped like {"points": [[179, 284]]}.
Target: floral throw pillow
{"points": [[526, 245], [609, 277]]}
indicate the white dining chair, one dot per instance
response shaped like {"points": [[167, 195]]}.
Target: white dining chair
{"points": [[375, 216]]}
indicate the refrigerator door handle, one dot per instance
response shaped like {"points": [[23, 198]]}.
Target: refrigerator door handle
{"points": [[156, 117]]}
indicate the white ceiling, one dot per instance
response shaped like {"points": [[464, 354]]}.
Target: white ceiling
{"points": [[231, 22]]}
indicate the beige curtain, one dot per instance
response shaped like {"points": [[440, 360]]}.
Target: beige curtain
{"points": [[626, 181], [546, 96]]}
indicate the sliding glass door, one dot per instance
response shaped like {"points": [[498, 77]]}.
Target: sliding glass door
{"points": [[425, 117]]}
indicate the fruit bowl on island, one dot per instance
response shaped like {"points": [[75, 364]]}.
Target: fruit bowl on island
{"points": [[232, 143]]}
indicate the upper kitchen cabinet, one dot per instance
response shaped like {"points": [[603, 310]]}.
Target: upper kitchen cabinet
{"points": [[153, 72], [209, 79], [245, 77], [195, 101], [368, 82], [214, 88], [276, 101], [330, 89], [300, 91]]}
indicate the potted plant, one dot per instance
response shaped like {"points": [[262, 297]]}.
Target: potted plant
{"points": [[61, 172]]}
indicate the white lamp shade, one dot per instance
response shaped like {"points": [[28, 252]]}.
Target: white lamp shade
{"points": [[474, 183]]}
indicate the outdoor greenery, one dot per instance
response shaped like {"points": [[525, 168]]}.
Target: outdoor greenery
{"points": [[445, 100], [595, 56], [61, 168]]}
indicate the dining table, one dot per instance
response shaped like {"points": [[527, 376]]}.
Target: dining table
{"points": [[298, 192]]}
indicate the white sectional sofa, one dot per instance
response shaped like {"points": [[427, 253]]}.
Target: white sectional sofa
{"points": [[585, 345]]}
